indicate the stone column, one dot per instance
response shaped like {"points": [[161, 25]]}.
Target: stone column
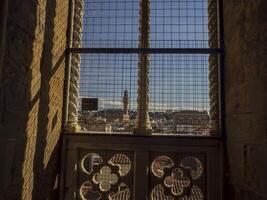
{"points": [[213, 66], [143, 126], [72, 124]]}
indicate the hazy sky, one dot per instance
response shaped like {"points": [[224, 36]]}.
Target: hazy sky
{"points": [[176, 81]]}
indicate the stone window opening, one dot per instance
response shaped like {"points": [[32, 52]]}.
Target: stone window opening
{"points": [[177, 33]]}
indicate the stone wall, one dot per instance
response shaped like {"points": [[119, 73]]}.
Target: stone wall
{"points": [[32, 98], [245, 24]]}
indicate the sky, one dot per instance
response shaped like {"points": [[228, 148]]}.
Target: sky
{"points": [[176, 81]]}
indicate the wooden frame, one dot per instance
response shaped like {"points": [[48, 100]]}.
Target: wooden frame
{"points": [[141, 146]]}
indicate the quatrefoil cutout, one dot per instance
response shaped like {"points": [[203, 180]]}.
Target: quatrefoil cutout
{"points": [[87, 192], [158, 194], [196, 194], [195, 166], [123, 193], [177, 182], [159, 164], [123, 162], [105, 179], [89, 161]]}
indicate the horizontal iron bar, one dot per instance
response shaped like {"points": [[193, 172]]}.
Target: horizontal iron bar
{"points": [[146, 50]]}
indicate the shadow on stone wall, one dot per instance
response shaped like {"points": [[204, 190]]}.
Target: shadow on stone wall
{"points": [[27, 118], [45, 175]]}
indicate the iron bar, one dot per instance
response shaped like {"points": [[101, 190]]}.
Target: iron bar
{"points": [[145, 50]]}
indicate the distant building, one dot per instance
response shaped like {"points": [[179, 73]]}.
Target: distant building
{"points": [[108, 128], [125, 117], [190, 121], [98, 125]]}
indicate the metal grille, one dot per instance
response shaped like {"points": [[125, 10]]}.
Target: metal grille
{"points": [[110, 23], [107, 77], [179, 23], [173, 24], [179, 99], [175, 43]]}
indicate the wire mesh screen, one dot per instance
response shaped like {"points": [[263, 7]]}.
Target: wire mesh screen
{"points": [[112, 79], [179, 23], [110, 23], [173, 23], [130, 57], [178, 92]]}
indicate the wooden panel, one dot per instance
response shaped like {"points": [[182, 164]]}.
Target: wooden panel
{"points": [[142, 151]]}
